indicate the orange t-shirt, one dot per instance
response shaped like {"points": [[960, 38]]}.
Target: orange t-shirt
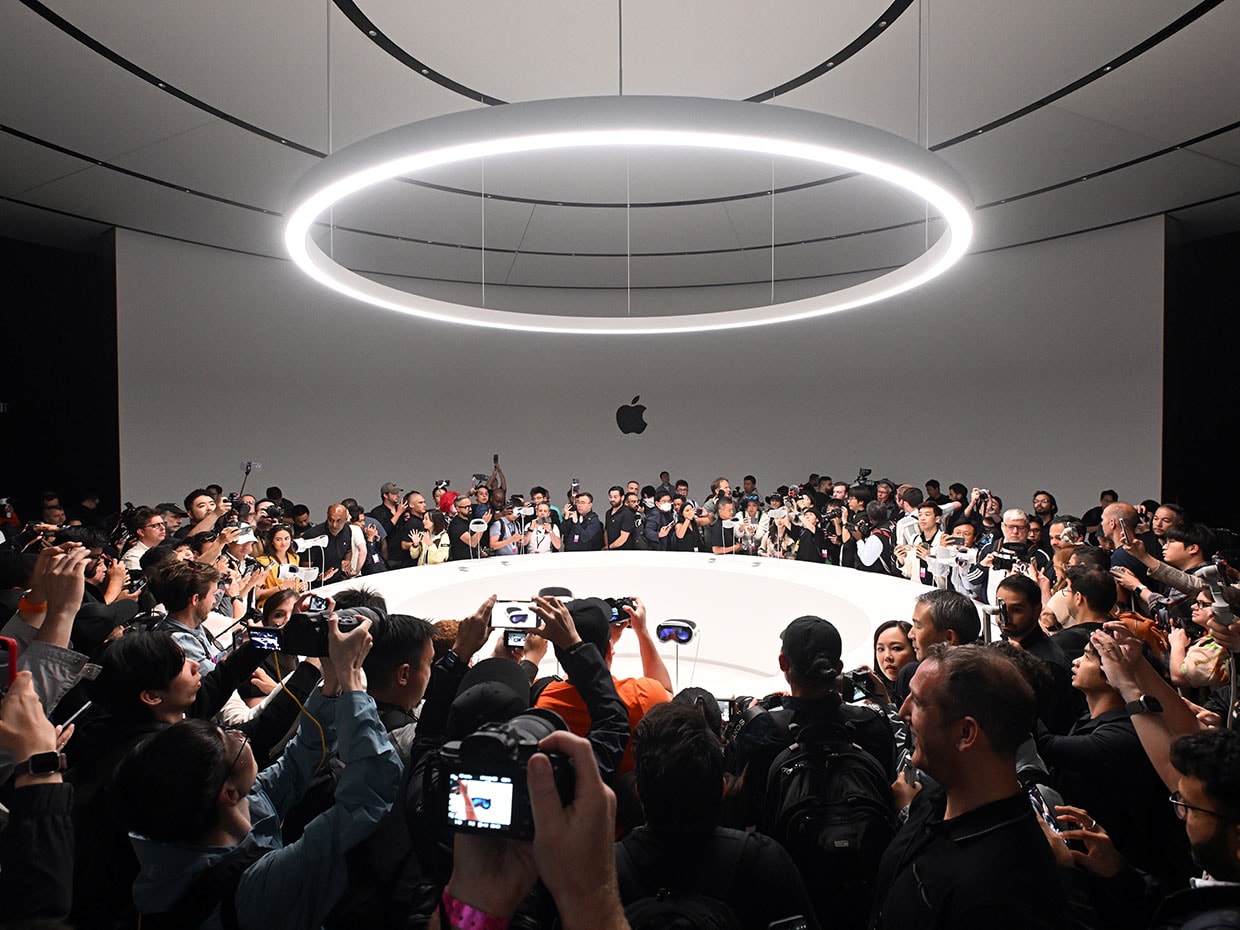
{"points": [[638, 695]]}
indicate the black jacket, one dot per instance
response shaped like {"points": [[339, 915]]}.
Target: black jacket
{"points": [[36, 853]]}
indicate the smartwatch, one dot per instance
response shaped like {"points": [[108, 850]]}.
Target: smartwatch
{"points": [[42, 763], [1145, 704]]}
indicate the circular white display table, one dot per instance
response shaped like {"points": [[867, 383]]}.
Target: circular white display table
{"points": [[740, 605]]}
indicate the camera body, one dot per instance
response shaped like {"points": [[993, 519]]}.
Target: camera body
{"points": [[306, 634], [485, 775], [1004, 559], [857, 684], [617, 605]]}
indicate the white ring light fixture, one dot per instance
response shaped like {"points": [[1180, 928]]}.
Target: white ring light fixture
{"points": [[592, 122]]}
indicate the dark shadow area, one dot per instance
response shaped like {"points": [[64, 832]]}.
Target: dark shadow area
{"points": [[1201, 332], [59, 414]]}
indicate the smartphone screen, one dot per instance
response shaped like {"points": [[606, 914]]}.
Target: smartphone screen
{"points": [[514, 639], [1041, 807], [480, 802], [8, 662]]}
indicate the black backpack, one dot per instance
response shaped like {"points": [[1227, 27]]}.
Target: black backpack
{"points": [[828, 803], [214, 888], [670, 906]]}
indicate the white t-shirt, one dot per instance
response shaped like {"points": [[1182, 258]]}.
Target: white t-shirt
{"points": [[540, 538]]}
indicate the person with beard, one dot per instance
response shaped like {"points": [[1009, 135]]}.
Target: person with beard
{"points": [[1208, 802]]}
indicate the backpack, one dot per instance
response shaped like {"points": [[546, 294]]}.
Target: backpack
{"points": [[680, 910], [828, 803], [671, 908], [214, 888]]}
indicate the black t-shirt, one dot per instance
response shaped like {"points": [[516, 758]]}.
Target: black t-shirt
{"points": [[719, 535], [398, 556], [620, 521], [338, 548], [693, 540], [458, 550], [810, 545]]}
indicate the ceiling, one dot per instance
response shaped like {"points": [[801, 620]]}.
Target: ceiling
{"points": [[193, 121]]}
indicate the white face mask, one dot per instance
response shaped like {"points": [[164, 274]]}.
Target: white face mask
{"points": [[666, 508], [648, 501]]}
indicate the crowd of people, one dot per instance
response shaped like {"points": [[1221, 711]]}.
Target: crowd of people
{"points": [[1045, 741]]}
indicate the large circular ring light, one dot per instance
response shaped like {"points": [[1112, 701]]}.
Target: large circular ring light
{"points": [[592, 122]]}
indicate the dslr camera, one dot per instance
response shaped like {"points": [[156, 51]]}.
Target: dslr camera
{"points": [[617, 605], [857, 685], [485, 775], [306, 634]]}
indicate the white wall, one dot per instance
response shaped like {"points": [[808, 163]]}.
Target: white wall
{"points": [[1030, 367]]}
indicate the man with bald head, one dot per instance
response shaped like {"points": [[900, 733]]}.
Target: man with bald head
{"points": [[1119, 526], [336, 558]]}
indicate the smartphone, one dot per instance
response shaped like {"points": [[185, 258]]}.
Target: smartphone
{"points": [[136, 585], [1041, 807], [495, 459], [725, 710], [515, 639], [8, 662], [314, 602], [796, 922], [513, 615], [1123, 530]]}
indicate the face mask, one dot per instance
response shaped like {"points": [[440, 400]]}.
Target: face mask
{"points": [[648, 501], [666, 508]]}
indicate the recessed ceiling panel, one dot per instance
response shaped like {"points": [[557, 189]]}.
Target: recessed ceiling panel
{"points": [[224, 160], [1149, 95], [1153, 187], [137, 205], [27, 166], [987, 60], [263, 62], [1047, 146], [55, 89], [627, 175], [375, 258], [557, 48], [843, 207], [400, 209]]}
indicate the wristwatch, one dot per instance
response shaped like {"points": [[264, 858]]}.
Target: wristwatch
{"points": [[42, 763], [1145, 704], [449, 661]]}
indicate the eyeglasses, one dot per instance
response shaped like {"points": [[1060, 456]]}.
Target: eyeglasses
{"points": [[1182, 808], [1016, 526], [153, 525], [245, 738]]}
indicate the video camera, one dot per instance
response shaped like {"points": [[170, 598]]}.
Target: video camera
{"points": [[863, 477], [485, 775]]}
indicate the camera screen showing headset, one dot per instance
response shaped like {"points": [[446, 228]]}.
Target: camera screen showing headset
{"points": [[484, 775]]}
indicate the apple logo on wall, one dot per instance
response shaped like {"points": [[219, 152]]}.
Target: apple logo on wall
{"points": [[629, 417]]}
